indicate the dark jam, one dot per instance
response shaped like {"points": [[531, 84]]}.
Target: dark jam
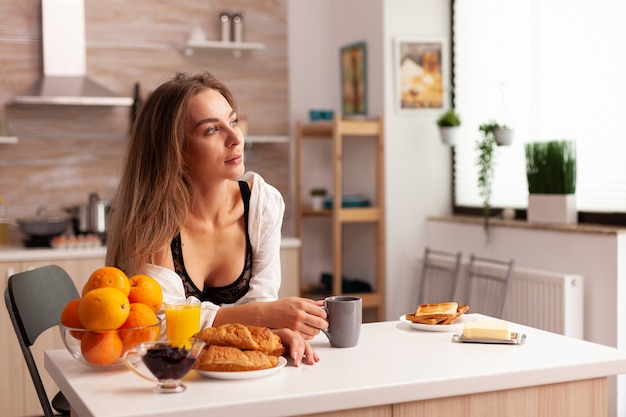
{"points": [[168, 362]]}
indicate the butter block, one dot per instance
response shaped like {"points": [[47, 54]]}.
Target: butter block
{"points": [[499, 330]]}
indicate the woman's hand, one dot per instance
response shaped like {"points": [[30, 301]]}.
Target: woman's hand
{"points": [[301, 315], [299, 349]]}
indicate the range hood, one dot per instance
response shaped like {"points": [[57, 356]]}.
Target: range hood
{"points": [[64, 79]]}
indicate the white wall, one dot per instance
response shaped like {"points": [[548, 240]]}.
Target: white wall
{"points": [[417, 166]]}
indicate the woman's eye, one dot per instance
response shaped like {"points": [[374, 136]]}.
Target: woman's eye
{"points": [[234, 123], [211, 130]]}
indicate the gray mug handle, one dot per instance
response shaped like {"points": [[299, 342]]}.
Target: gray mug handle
{"points": [[326, 331]]}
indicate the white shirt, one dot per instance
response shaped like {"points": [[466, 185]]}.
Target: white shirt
{"points": [[265, 219]]}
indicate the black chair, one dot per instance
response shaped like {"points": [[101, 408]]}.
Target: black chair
{"points": [[440, 273], [488, 285], [35, 300]]}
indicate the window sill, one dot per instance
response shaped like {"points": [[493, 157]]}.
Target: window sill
{"points": [[523, 224]]}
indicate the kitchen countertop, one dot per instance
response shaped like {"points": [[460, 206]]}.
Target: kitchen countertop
{"points": [[19, 253], [391, 364]]}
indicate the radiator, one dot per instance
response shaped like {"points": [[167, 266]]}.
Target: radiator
{"points": [[545, 300]]}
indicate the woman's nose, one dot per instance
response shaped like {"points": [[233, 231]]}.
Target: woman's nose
{"points": [[235, 137]]}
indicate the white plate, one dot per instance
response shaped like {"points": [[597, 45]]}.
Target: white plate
{"points": [[459, 324], [244, 374]]}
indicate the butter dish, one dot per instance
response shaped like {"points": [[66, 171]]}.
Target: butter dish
{"points": [[516, 339]]}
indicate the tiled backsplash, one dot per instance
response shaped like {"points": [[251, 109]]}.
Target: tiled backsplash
{"points": [[66, 152]]}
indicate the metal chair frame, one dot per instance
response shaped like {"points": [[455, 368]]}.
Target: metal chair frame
{"points": [[492, 277], [35, 300], [439, 268]]}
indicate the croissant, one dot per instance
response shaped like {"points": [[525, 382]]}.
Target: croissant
{"points": [[232, 359], [237, 347], [244, 337]]}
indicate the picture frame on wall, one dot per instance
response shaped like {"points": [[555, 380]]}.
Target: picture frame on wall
{"points": [[421, 74], [353, 60]]}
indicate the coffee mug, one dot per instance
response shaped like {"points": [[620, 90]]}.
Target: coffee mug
{"points": [[344, 320]]}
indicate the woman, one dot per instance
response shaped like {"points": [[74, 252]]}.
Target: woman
{"points": [[181, 216]]}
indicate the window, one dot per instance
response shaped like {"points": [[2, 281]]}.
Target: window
{"points": [[550, 69]]}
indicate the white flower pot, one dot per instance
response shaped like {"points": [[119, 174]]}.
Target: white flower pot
{"points": [[449, 134], [552, 208], [504, 137], [317, 202]]}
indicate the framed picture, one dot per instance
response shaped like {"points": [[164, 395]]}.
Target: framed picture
{"points": [[354, 80], [421, 71]]}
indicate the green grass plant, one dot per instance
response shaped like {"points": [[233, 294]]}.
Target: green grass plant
{"points": [[551, 167]]}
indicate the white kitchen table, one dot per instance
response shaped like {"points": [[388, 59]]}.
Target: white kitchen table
{"points": [[394, 371]]}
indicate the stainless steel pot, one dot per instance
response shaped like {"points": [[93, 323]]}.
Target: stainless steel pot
{"points": [[98, 214]]}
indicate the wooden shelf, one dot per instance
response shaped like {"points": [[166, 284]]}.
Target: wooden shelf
{"points": [[267, 139], [369, 299], [349, 127], [347, 215], [335, 132]]}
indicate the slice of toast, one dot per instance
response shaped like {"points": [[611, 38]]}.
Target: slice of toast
{"points": [[440, 313], [459, 312], [439, 310]]}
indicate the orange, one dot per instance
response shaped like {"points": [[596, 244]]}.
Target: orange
{"points": [[140, 315], [107, 276], [103, 309], [69, 315], [101, 348], [145, 289]]}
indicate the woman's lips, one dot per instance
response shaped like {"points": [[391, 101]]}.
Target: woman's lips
{"points": [[237, 159]]}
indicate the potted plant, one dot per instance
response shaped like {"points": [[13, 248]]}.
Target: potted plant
{"points": [[318, 195], [551, 176], [486, 148], [449, 123], [502, 134]]}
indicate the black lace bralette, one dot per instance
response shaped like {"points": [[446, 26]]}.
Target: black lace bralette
{"points": [[218, 295]]}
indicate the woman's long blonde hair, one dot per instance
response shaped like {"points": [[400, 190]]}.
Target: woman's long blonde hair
{"points": [[154, 193]]}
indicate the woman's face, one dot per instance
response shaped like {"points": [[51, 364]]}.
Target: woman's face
{"points": [[215, 141]]}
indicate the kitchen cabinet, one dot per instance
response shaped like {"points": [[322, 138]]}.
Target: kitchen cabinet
{"points": [[17, 393], [368, 134]]}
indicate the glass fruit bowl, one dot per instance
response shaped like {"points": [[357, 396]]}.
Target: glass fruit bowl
{"points": [[105, 349]]}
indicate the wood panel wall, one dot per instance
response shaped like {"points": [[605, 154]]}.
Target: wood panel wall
{"points": [[66, 152]]}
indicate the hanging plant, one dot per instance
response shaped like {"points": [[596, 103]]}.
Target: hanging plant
{"points": [[486, 148], [502, 134]]}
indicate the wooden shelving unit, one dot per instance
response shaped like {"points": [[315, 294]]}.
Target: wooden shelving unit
{"points": [[338, 131]]}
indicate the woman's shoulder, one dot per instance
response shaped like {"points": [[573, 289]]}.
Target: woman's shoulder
{"points": [[265, 199], [260, 187]]}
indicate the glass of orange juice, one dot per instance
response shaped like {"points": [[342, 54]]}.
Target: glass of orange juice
{"points": [[182, 320]]}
